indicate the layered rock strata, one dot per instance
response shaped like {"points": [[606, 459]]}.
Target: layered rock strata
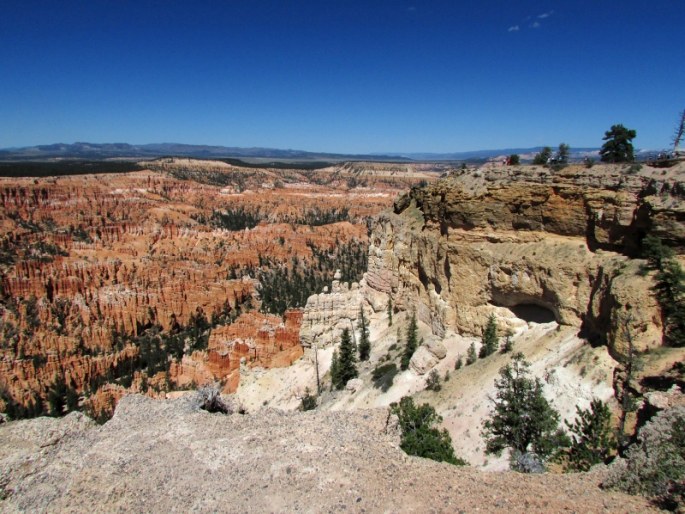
{"points": [[537, 242]]}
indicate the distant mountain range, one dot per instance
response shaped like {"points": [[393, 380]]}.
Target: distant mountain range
{"points": [[94, 151]]}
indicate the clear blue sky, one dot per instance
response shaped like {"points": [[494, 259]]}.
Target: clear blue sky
{"points": [[341, 76]]}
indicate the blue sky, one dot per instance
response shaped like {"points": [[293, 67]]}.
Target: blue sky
{"points": [[341, 76]]}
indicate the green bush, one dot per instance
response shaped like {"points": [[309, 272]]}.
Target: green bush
{"points": [[384, 375], [592, 439], [433, 381], [420, 437]]}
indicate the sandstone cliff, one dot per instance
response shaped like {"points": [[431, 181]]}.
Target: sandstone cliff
{"points": [[530, 239]]}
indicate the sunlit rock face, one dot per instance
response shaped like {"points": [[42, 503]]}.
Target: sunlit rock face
{"points": [[549, 245]]}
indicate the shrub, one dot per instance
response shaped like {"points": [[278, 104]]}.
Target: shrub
{"points": [[459, 362], [433, 381], [209, 399], [543, 156], [420, 437], [655, 464], [308, 401], [384, 375]]}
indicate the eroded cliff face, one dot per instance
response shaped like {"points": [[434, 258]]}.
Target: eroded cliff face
{"points": [[537, 242], [150, 280]]}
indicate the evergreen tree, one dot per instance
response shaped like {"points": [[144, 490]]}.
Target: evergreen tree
{"points": [[508, 344], [618, 146], [420, 436], [412, 341], [592, 439], [522, 419], [490, 341], [459, 362], [389, 311], [364, 343], [335, 370], [670, 292], [543, 156], [346, 361], [471, 355]]}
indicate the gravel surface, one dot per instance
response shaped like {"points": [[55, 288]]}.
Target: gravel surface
{"points": [[169, 456]]}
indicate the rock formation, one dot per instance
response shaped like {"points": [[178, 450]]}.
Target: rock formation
{"points": [[528, 238], [90, 263]]}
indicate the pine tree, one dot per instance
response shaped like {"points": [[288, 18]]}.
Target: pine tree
{"points": [[459, 362], [346, 361], [390, 311], [490, 340], [618, 146], [522, 419], [364, 343], [592, 439], [471, 355], [335, 370], [412, 341]]}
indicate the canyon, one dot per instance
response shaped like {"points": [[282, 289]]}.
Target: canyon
{"points": [[102, 274], [192, 272]]}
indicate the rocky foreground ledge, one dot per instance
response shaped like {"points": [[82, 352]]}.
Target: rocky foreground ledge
{"points": [[170, 456]]}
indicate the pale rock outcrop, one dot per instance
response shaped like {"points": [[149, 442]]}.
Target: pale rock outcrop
{"points": [[354, 384], [327, 314], [427, 356]]}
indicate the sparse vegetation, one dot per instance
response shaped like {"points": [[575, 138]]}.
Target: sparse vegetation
{"points": [[669, 288], [433, 381], [420, 436]]}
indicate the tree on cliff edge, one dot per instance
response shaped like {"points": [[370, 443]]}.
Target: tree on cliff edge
{"points": [[618, 145]]}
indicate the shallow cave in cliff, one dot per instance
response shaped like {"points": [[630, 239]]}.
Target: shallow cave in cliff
{"points": [[534, 313]]}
